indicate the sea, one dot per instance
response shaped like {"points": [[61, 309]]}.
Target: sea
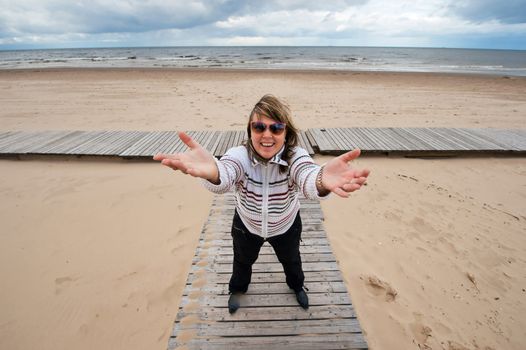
{"points": [[390, 59]]}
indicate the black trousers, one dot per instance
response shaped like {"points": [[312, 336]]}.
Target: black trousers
{"points": [[246, 250]]}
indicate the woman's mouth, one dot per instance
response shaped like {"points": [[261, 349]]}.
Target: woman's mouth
{"points": [[267, 144]]}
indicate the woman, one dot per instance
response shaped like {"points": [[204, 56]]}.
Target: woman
{"points": [[267, 174]]}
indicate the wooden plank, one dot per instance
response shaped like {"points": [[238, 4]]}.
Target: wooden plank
{"points": [[7, 134], [270, 313], [136, 148], [240, 134], [269, 288], [266, 258], [272, 328], [102, 145], [442, 137], [122, 141], [207, 139], [338, 143], [394, 142], [273, 300], [89, 146], [484, 142], [507, 139], [268, 277], [380, 143], [166, 142], [37, 148], [215, 144], [33, 140], [157, 144], [228, 243], [71, 141], [220, 150], [414, 144], [226, 250], [356, 137], [271, 267], [305, 342], [11, 141], [230, 141], [11, 138], [312, 141], [328, 140], [320, 138], [347, 143], [304, 142]]}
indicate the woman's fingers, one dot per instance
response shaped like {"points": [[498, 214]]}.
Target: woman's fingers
{"points": [[362, 173], [175, 164], [187, 140], [352, 155], [162, 156], [351, 187], [340, 192]]}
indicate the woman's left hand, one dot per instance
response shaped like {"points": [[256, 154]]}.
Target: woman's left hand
{"points": [[340, 178]]}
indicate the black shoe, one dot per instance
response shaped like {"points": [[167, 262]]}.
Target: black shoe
{"points": [[302, 299], [233, 302]]}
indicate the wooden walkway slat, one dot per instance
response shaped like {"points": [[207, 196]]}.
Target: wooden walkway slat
{"points": [[332, 141], [409, 141], [292, 342], [270, 316], [318, 312]]}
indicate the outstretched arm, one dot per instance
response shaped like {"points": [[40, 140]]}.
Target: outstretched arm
{"points": [[338, 176], [197, 161]]}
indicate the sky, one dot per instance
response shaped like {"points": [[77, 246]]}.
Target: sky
{"points": [[493, 24]]}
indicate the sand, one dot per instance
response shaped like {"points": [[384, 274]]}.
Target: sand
{"points": [[95, 252]]}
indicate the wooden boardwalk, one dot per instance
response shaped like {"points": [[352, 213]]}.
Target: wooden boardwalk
{"points": [[130, 144], [137, 144], [418, 140], [269, 317]]}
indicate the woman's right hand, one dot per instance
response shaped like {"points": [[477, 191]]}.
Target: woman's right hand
{"points": [[197, 161]]}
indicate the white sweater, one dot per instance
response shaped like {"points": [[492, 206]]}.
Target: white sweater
{"points": [[266, 200]]}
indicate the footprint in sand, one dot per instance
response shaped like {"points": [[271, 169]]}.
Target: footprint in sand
{"points": [[421, 333], [63, 282], [377, 287]]}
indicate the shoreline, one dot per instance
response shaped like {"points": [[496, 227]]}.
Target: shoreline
{"points": [[313, 71]]}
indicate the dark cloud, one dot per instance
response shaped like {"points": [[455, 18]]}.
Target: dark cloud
{"points": [[133, 16], [510, 11], [258, 6]]}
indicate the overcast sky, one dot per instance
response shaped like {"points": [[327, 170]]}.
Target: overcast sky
{"points": [[118, 23]]}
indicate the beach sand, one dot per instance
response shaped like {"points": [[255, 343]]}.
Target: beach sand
{"points": [[94, 252]]}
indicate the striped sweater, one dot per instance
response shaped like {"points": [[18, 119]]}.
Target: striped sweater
{"points": [[266, 200]]}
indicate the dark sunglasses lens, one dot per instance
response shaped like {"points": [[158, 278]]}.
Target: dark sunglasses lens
{"points": [[277, 128], [259, 127]]}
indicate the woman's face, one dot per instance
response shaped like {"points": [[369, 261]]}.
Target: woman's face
{"points": [[267, 144]]}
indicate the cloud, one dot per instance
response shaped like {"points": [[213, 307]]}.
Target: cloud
{"points": [[510, 11], [98, 16], [67, 23]]}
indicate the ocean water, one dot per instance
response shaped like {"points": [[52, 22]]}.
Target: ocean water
{"points": [[501, 62]]}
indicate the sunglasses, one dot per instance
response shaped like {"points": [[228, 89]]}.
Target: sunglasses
{"points": [[275, 128]]}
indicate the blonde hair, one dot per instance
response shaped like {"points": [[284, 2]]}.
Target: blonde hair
{"points": [[272, 107]]}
